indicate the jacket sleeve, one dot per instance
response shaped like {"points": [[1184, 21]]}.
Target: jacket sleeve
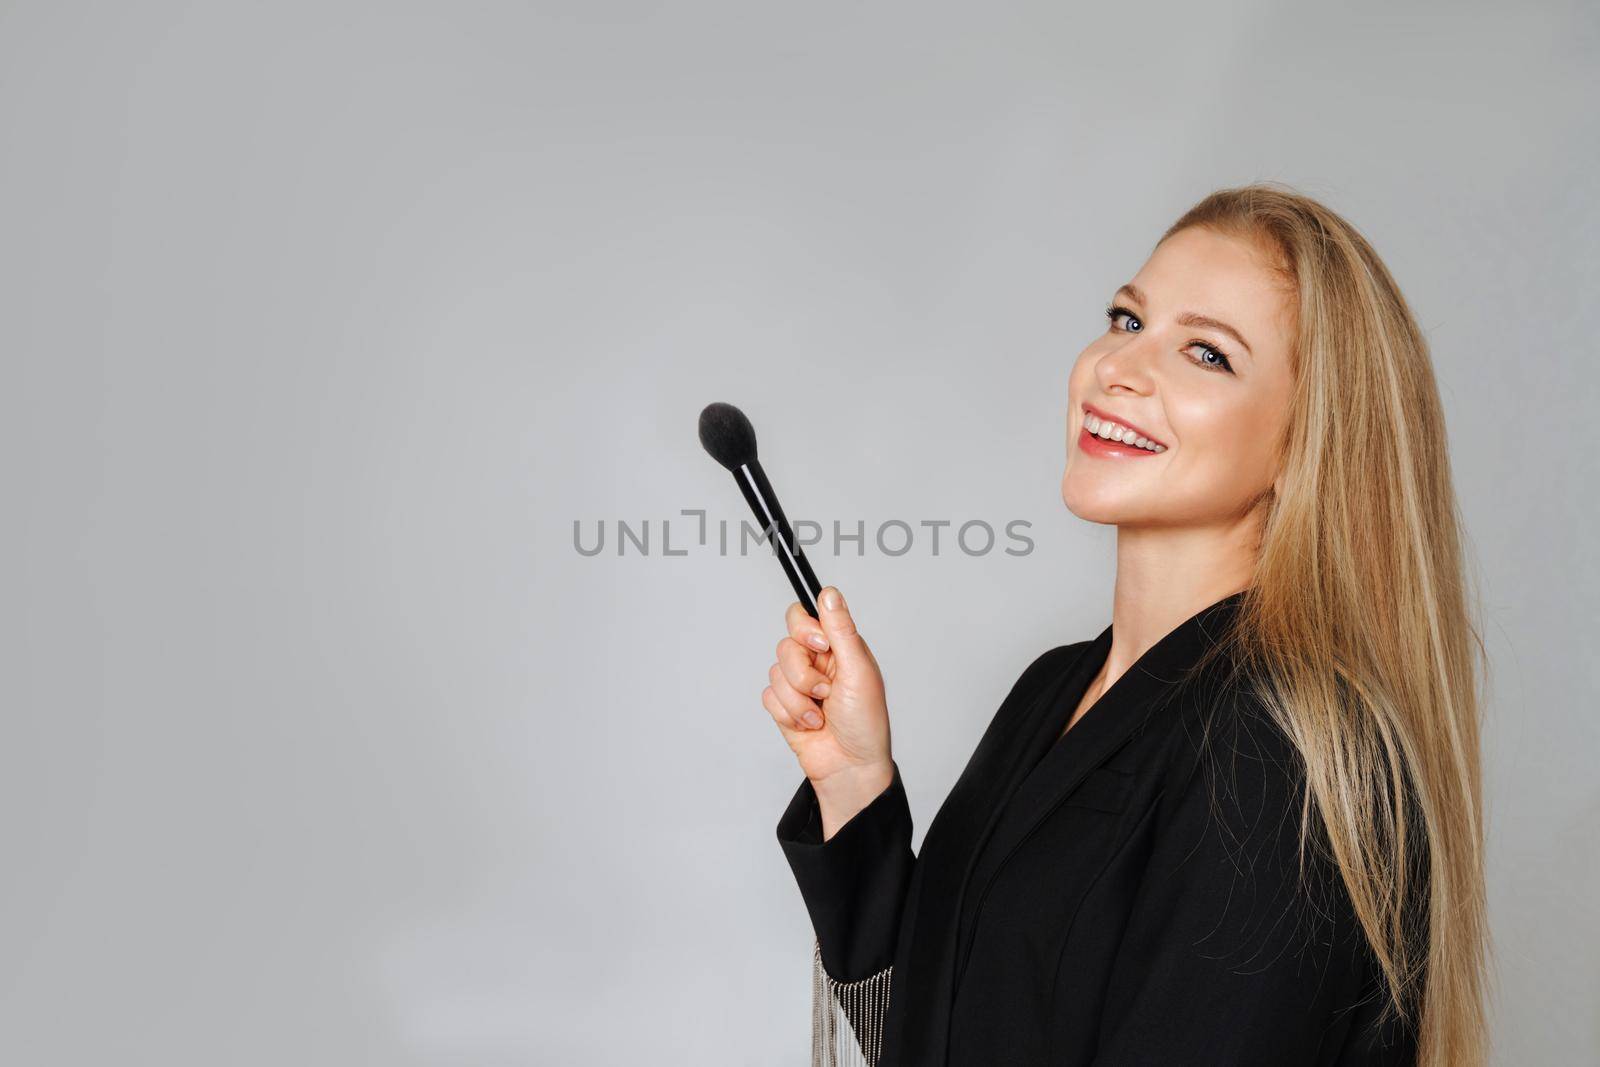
{"points": [[1228, 956], [854, 886]]}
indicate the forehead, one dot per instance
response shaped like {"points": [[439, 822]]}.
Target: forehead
{"points": [[1209, 273]]}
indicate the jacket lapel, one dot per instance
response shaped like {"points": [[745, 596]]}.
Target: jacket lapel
{"points": [[1137, 695], [1012, 744]]}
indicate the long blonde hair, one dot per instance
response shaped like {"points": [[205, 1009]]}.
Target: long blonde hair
{"points": [[1359, 624]]}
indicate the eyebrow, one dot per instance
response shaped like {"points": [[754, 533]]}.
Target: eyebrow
{"points": [[1190, 318]]}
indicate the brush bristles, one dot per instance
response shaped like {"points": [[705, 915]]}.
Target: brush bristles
{"points": [[727, 435]]}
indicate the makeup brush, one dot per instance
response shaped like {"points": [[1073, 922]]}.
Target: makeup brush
{"points": [[731, 440]]}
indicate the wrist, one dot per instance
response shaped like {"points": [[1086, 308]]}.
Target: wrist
{"points": [[843, 794]]}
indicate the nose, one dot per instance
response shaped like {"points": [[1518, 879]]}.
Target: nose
{"points": [[1128, 368]]}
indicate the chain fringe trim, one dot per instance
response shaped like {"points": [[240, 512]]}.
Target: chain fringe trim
{"points": [[846, 1017]]}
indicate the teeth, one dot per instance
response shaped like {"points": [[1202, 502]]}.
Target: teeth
{"points": [[1111, 431]]}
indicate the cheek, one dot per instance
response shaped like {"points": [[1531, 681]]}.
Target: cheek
{"points": [[1078, 379], [1235, 446]]}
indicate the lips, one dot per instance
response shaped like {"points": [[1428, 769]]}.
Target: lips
{"points": [[1095, 445], [1109, 417]]}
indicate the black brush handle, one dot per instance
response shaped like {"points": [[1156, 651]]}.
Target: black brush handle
{"points": [[769, 513]]}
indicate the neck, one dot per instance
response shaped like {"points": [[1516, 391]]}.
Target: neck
{"points": [[1165, 575]]}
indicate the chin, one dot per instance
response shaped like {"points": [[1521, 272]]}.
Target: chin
{"points": [[1091, 507]]}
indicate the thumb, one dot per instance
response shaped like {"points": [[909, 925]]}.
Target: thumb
{"points": [[840, 629]]}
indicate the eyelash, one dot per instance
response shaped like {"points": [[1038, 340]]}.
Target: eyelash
{"points": [[1226, 366]]}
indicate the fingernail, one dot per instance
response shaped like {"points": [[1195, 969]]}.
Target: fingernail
{"points": [[830, 599], [818, 642], [819, 690], [812, 719]]}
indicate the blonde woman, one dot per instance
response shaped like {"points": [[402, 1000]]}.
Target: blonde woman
{"points": [[1243, 825]]}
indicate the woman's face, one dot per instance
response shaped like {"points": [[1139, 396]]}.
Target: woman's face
{"points": [[1216, 401]]}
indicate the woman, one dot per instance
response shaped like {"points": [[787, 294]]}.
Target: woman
{"points": [[1243, 824]]}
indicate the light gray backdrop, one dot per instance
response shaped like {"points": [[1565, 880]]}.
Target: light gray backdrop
{"points": [[324, 322]]}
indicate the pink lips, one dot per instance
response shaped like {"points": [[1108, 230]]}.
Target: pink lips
{"points": [[1108, 417], [1095, 445]]}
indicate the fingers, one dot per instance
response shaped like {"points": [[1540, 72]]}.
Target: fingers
{"points": [[840, 630], [804, 629], [779, 713], [797, 680], [797, 710], [800, 669]]}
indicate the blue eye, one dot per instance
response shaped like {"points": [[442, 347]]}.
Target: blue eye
{"points": [[1224, 364], [1113, 311]]}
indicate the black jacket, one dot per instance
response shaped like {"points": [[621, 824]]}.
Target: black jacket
{"points": [[1129, 895]]}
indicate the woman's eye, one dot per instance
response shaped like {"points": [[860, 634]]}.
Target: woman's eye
{"points": [[1222, 363], [1114, 313]]}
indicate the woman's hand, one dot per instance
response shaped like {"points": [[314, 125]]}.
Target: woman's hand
{"points": [[826, 670]]}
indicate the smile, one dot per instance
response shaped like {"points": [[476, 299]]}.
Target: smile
{"points": [[1103, 436]]}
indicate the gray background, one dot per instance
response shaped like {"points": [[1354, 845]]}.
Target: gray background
{"points": [[323, 323]]}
